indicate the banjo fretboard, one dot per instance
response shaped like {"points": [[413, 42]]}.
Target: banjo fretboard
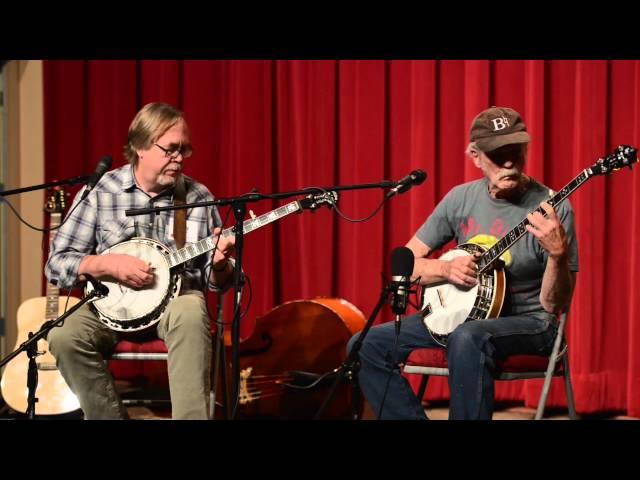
{"points": [[207, 244], [516, 233]]}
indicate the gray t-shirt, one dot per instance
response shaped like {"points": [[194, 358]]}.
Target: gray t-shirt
{"points": [[468, 214]]}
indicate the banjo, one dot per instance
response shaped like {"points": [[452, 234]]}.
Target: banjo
{"points": [[446, 306], [126, 309]]}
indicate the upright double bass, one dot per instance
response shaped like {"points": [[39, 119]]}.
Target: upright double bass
{"points": [[290, 348]]}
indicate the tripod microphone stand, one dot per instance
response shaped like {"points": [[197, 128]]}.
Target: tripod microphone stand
{"points": [[239, 208], [402, 263], [238, 204], [349, 368]]}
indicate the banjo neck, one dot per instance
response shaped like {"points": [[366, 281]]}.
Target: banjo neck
{"points": [[130, 310], [53, 292], [488, 259], [207, 244]]}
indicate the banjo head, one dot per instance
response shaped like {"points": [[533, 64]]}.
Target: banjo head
{"points": [[447, 306], [450, 305], [127, 309]]}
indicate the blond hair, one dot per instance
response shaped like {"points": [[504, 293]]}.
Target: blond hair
{"points": [[149, 124]]}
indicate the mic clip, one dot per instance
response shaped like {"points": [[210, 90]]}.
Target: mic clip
{"points": [[416, 177], [99, 287], [395, 191]]}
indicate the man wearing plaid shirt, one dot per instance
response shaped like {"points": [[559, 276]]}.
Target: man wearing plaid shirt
{"points": [[158, 143]]}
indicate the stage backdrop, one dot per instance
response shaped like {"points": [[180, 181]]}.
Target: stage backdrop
{"points": [[283, 125]]}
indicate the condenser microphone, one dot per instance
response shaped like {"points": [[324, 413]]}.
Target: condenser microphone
{"points": [[405, 183], [103, 165], [402, 260]]}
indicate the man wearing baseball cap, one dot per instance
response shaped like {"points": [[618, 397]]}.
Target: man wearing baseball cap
{"points": [[540, 276]]}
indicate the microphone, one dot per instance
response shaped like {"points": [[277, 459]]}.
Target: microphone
{"points": [[103, 165], [405, 183], [98, 286], [402, 260]]}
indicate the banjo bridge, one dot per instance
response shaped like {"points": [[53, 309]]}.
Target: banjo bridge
{"points": [[440, 298]]}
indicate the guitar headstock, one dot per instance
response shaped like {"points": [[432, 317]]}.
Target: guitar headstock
{"points": [[315, 200], [623, 156], [56, 202]]}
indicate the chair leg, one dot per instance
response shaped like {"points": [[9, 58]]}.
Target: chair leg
{"points": [[423, 386], [569, 389], [542, 402]]}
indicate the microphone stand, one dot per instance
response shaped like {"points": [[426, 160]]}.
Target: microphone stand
{"points": [[349, 368], [393, 360], [70, 181], [239, 208], [30, 346], [239, 212]]}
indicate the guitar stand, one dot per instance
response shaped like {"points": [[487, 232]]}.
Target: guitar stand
{"points": [[30, 346], [348, 371]]}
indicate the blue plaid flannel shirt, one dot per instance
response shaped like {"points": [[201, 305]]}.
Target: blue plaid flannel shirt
{"points": [[100, 222]]}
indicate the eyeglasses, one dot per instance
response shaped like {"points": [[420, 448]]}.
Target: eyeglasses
{"points": [[172, 154]]}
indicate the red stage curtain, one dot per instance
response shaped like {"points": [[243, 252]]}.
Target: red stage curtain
{"points": [[283, 125]]}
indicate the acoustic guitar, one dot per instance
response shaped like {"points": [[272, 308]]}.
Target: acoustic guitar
{"points": [[53, 393]]}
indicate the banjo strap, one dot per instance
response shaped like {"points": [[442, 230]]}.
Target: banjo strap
{"points": [[179, 216]]}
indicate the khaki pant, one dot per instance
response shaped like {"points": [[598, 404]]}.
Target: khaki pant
{"points": [[83, 343]]}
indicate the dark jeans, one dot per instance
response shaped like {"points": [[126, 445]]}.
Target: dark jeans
{"points": [[472, 349]]}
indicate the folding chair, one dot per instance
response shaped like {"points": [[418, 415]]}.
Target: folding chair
{"points": [[433, 361]]}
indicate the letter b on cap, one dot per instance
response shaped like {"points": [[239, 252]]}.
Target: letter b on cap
{"points": [[500, 123]]}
